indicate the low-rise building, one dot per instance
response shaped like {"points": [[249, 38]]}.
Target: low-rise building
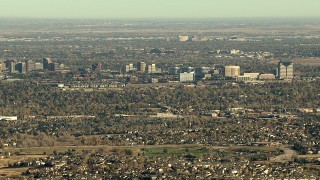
{"points": [[186, 77]]}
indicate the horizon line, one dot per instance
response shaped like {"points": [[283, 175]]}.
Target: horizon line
{"points": [[158, 18]]}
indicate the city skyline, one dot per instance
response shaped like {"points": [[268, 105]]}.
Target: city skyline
{"points": [[158, 9]]}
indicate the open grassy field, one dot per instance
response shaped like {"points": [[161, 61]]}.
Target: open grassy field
{"points": [[172, 151]]}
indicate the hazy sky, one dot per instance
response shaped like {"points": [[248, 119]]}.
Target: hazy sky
{"points": [[158, 8]]}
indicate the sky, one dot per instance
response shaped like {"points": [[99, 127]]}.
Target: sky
{"points": [[158, 8]]}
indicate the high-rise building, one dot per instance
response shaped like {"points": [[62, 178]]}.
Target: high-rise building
{"points": [[231, 71], [3, 66], [21, 67], [127, 68], [30, 65], [201, 71], [285, 70], [53, 66], [9, 65], [151, 68], [141, 67], [46, 62]]}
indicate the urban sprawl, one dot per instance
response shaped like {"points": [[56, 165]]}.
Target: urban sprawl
{"points": [[214, 99]]}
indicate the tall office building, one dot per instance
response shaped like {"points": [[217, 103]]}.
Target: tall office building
{"points": [[201, 71], [53, 66], [151, 68], [21, 67], [30, 65], [46, 62], [285, 70], [231, 71], [9, 65], [141, 67], [127, 68]]}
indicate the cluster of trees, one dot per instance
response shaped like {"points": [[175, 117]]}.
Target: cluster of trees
{"points": [[30, 99]]}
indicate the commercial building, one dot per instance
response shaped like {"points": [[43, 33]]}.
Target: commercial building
{"points": [[151, 68], [53, 66], [231, 71], [267, 77], [127, 68], [21, 67], [141, 67], [201, 71], [186, 77], [183, 38], [186, 69], [173, 70], [46, 62], [285, 70], [243, 78], [38, 66], [253, 76], [8, 65], [30, 65]]}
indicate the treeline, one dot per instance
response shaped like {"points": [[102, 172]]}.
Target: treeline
{"points": [[31, 99]]}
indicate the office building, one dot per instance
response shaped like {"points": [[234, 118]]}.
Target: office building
{"points": [[253, 76], [8, 65], [151, 68], [285, 70], [21, 67], [141, 67], [201, 71], [267, 77], [231, 71], [186, 69], [38, 66], [183, 38], [127, 68], [30, 65], [46, 62], [186, 77], [173, 70], [53, 66], [243, 78]]}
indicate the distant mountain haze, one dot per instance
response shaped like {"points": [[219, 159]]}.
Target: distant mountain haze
{"points": [[158, 8]]}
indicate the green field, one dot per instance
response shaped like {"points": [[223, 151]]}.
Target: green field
{"points": [[175, 151]]}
